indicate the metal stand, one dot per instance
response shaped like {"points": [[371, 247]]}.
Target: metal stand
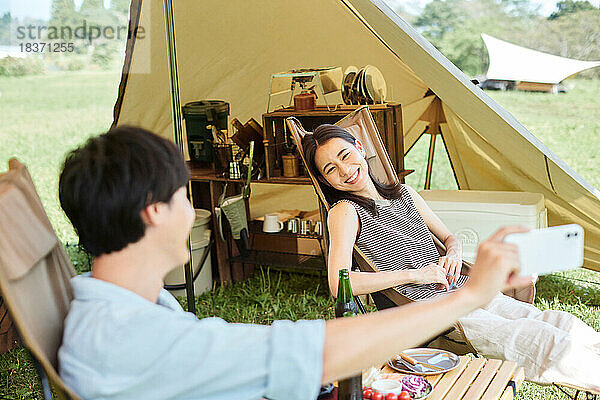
{"points": [[587, 395], [308, 76]]}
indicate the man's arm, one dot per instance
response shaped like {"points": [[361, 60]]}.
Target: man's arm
{"points": [[352, 344]]}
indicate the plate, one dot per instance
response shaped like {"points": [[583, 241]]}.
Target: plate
{"points": [[375, 84], [443, 359], [347, 91]]}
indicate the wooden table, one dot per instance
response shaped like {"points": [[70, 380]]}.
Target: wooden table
{"points": [[476, 379]]}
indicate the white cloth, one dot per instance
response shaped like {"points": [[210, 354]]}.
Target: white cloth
{"points": [[551, 346]]}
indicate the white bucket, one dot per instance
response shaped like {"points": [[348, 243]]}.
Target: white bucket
{"points": [[200, 238], [200, 224]]}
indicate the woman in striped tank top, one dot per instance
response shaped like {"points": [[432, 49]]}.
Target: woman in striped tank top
{"points": [[392, 225]]}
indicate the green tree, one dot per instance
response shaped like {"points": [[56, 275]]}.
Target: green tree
{"points": [[441, 17], [62, 13], [6, 22], [120, 6], [567, 7], [455, 27]]}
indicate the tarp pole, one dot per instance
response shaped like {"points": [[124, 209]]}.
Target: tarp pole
{"points": [[178, 133], [433, 134]]}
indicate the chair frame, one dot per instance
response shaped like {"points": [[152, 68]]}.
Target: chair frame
{"points": [[19, 178]]}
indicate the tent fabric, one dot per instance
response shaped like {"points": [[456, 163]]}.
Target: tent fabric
{"points": [[515, 63], [228, 50]]}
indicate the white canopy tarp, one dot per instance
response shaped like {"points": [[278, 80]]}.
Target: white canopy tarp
{"points": [[515, 63], [228, 50]]}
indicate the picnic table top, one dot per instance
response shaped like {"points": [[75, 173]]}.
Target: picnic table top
{"points": [[475, 379]]}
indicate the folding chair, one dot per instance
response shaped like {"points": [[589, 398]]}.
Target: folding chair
{"points": [[361, 125], [34, 275]]}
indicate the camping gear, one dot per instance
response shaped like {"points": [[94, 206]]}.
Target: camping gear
{"points": [[201, 265], [291, 168], [35, 274], [327, 80], [200, 244], [223, 156], [201, 117], [487, 147], [305, 101], [363, 86], [473, 215], [234, 170], [271, 223], [234, 208]]}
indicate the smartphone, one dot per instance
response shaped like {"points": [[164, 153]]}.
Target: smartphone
{"points": [[547, 250]]}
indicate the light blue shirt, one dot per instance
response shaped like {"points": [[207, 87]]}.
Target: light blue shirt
{"points": [[118, 345]]}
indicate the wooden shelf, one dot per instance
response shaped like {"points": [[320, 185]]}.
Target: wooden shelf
{"points": [[281, 259], [203, 174]]}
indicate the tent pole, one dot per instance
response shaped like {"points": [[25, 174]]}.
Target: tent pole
{"points": [[433, 133], [178, 132]]}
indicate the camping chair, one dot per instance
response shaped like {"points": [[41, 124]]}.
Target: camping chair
{"points": [[361, 125], [34, 275]]}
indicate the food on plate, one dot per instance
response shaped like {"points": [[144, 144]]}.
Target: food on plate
{"points": [[417, 386], [367, 393], [391, 396]]}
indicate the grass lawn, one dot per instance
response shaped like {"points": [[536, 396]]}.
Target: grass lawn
{"points": [[44, 117]]}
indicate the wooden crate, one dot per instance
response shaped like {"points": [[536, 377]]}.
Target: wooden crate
{"points": [[388, 118]]}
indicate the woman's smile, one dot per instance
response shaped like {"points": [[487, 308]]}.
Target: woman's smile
{"points": [[354, 177]]}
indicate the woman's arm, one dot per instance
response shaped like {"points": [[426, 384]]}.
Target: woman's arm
{"points": [[452, 261], [343, 224]]}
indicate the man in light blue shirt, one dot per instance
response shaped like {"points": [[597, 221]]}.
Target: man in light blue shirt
{"points": [[125, 337]]}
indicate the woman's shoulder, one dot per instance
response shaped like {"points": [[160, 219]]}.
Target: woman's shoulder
{"points": [[343, 207]]}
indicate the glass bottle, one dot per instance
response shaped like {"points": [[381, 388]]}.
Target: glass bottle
{"points": [[349, 388]]}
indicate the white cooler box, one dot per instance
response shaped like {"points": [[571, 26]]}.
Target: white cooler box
{"points": [[473, 216], [200, 237]]}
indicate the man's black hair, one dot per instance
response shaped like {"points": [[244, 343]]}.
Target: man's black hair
{"points": [[105, 184]]}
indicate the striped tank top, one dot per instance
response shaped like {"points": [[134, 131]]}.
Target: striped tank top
{"points": [[398, 238]]}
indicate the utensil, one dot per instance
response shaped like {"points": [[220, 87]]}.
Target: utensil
{"points": [[234, 170], [293, 225], [412, 361], [318, 229], [447, 361], [305, 227]]}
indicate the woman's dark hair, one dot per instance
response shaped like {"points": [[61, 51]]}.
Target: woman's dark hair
{"points": [[105, 184], [324, 133]]}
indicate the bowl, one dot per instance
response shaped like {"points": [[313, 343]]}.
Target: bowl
{"points": [[386, 386]]}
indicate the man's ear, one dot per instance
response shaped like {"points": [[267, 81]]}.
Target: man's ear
{"points": [[360, 148], [151, 214]]}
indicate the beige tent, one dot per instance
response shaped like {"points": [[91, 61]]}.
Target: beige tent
{"points": [[228, 50]]}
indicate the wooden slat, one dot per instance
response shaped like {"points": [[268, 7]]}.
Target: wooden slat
{"points": [[466, 378], [518, 378], [483, 380], [448, 379], [496, 388]]}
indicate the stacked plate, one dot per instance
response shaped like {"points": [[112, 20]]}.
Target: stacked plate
{"points": [[363, 86]]}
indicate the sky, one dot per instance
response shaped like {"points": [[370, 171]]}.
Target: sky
{"points": [[40, 9]]}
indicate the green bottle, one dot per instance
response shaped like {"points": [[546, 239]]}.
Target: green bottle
{"points": [[349, 388]]}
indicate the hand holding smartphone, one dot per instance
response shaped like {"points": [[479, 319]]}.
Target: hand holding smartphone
{"points": [[547, 250]]}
